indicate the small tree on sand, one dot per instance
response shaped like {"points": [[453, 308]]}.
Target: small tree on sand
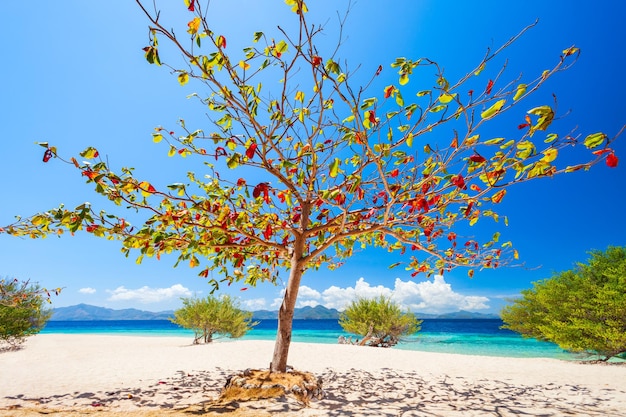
{"points": [[581, 310], [212, 315], [22, 312], [380, 321], [305, 174]]}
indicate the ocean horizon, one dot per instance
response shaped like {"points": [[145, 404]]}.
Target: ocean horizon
{"points": [[482, 337]]}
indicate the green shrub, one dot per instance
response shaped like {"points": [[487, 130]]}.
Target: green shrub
{"points": [[22, 312], [581, 310], [379, 321], [212, 315]]}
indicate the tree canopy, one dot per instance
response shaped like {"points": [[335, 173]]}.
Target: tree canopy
{"points": [[379, 321], [581, 310], [303, 174], [213, 315], [22, 312]]}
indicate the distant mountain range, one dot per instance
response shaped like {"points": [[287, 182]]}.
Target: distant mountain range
{"points": [[89, 312]]}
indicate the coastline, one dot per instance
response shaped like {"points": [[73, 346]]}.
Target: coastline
{"points": [[126, 373]]}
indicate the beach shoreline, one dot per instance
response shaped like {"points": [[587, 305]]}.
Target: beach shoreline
{"points": [[133, 374]]}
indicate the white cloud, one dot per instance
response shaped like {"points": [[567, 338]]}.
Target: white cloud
{"points": [[254, 304], [147, 295], [87, 290], [431, 296]]}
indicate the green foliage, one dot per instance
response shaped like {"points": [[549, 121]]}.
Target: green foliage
{"points": [[581, 310], [380, 321], [213, 315], [22, 312]]}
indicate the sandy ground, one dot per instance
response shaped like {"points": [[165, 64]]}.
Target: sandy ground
{"points": [[72, 375]]}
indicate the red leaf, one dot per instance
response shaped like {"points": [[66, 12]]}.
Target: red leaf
{"points": [[219, 151], [268, 232], [47, 155], [379, 70], [395, 173], [192, 7], [458, 180], [316, 60], [477, 159], [470, 93], [372, 117], [489, 87], [90, 174], [612, 160], [251, 149], [523, 125], [468, 210], [389, 90]]}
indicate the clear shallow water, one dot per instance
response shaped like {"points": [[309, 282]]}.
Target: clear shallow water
{"points": [[472, 337]]}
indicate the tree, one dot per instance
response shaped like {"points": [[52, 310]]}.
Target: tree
{"points": [[22, 312], [211, 315], [380, 321], [303, 175], [581, 310]]}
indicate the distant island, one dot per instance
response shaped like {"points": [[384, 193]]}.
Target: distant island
{"points": [[86, 312]]}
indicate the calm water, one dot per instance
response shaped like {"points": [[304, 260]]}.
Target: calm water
{"points": [[475, 337]]}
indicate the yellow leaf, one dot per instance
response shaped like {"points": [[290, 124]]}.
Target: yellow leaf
{"points": [[521, 90], [515, 254], [183, 78], [244, 65], [194, 25], [446, 98], [472, 140], [549, 155], [157, 137], [404, 78], [480, 69], [300, 96], [493, 110]]}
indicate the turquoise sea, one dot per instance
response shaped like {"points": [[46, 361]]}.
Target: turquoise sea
{"points": [[472, 337]]}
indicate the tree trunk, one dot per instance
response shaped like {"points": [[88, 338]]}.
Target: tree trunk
{"points": [[285, 321], [285, 314]]}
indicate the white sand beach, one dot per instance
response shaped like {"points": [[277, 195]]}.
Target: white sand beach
{"points": [[129, 375]]}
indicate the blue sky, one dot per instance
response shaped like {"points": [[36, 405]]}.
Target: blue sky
{"points": [[73, 74]]}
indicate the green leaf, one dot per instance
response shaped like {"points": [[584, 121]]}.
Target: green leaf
{"points": [[257, 36], [493, 110], [594, 140], [551, 138], [423, 93], [438, 108]]}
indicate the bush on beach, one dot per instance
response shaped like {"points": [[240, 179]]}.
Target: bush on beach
{"points": [[582, 310], [22, 312], [212, 315], [379, 321]]}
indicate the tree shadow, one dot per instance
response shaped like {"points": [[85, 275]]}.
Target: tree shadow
{"points": [[355, 393]]}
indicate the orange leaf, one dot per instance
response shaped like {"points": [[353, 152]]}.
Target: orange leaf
{"points": [[497, 197]]}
